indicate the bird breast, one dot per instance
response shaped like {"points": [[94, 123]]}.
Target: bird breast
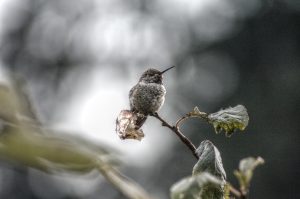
{"points": [[147, 98]]}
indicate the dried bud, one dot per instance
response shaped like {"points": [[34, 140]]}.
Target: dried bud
{"points": [[229, 119], [128, 125]]}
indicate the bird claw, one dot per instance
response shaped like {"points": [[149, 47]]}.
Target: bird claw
{"points": [[155, 114]]}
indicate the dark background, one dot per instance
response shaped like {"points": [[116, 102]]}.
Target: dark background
{"points": [[225, 52]]}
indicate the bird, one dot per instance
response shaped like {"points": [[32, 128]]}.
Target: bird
{"points": [[148, 95]]}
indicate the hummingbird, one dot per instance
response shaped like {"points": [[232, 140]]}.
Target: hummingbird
{"points": [[148, 95], [145, 98]]}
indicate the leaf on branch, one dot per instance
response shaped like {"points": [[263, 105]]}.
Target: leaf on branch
{"points": [[229, 119], [200, 186], [209, 160], [208, 179], [245, 172], [128, 125]]}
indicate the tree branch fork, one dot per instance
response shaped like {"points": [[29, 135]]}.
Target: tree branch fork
{"points": [[175, 128], [186, 141]]}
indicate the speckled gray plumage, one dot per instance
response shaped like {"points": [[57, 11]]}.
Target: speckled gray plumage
{"points": [[148, 95], [147, 98]]}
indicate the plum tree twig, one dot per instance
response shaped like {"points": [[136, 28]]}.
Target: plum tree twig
{"points": [[176, 129]]}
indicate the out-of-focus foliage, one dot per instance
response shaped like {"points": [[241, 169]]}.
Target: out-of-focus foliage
{"points": [[15, 106], [208, 179], [26, 142], [229, 119], [35, 147], [246, 169]]}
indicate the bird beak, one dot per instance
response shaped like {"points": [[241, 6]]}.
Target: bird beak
{"points": [[166, 69]]}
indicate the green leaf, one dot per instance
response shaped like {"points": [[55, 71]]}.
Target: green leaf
{"points": [[37, 148], [227, 191], [55, 153], [245, 172], [208, 177], [229, 119], [14, 106], [209, 160], [200, 186]]}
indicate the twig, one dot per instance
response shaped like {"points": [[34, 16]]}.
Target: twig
{"points": [[199, 114], [238, 193], [234, 191], [176, 130], [244, 194], [125, 185]]}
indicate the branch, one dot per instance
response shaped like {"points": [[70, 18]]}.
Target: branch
{"points": [[199, 114], [238, 193], [125, 185], [177, 131]]}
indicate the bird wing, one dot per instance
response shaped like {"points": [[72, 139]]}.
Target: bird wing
{"points": [[131, 95]]}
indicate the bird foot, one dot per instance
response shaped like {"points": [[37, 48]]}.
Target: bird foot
{"points": [[155, 114]]}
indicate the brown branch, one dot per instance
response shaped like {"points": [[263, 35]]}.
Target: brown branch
{"points": [[201, 115], [242, 194], [176, 130]]}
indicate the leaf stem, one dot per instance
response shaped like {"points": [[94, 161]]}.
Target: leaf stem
{"points": [[125, 185], [238, 193]]}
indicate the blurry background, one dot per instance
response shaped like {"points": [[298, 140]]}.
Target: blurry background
{"points": [[80, 59]]}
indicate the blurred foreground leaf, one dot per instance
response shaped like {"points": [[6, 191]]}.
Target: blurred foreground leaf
{"points": [[15, 105], [48, 152], [245, 172], [24, 141], [56, 153]]}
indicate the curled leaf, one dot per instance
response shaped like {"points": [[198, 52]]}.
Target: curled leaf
{"points": [[245, 172], [128, 125], [201, 186], [229, 119], [208, 179], [209, 160]]}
